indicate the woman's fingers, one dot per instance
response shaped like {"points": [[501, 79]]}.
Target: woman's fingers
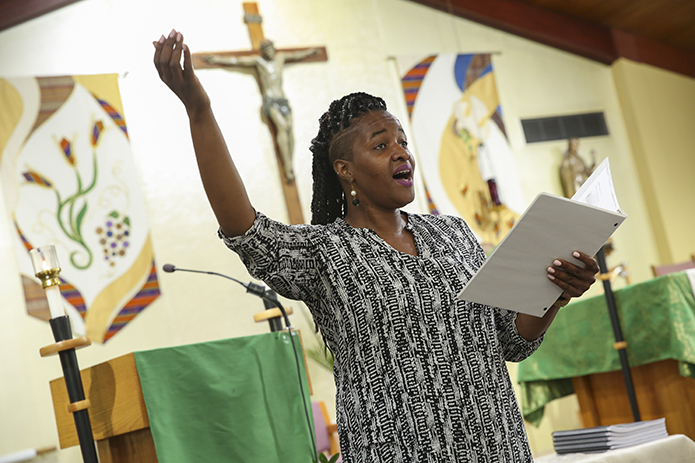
{"points": [[158, 47], [563, 280], [167, 58], [573, 279], [181, 80], [590, 263], [175, 59], [187, 62]]}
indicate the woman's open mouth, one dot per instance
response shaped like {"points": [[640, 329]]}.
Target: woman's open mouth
{"points": [[404, 175]]}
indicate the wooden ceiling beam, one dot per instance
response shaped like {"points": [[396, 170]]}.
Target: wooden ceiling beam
{"points": [[540, 25], [593, 41], [643, 50], [14, 12]]}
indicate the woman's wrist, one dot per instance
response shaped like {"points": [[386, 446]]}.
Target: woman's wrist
{"points": [[200, 111], [561, 302]]}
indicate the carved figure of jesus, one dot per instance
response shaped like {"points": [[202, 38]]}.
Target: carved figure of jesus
{"points": [[276, 107]]}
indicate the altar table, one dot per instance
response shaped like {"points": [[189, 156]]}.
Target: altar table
{"points": [[658, 323]]}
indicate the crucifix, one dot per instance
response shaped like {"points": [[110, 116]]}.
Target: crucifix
{"points": [[267, 63]]}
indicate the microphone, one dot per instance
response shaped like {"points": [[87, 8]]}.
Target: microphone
{"points": [[252, 288], [267, 296]]}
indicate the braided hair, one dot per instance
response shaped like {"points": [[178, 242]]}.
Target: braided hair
{"points": [[328, 201]]}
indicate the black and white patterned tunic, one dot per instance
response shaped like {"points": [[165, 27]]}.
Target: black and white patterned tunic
{"points": [[420, 375]]}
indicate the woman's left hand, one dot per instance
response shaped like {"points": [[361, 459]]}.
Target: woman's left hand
{"points": [[573, 279]]}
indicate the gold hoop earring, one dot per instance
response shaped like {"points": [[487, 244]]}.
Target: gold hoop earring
{"points": [[353, 193]]}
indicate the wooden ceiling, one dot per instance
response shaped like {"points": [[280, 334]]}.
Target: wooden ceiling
{"points": [[14, 12], [671, 22], [656, 32]]}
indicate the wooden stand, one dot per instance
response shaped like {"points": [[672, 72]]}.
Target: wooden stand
{"points": [[119, 420], [118, 414], [661, 393]]}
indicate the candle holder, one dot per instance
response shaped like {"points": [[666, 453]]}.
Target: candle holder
{"points": [[46, 268]]}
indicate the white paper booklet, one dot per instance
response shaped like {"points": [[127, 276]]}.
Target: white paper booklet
{"points": [[598, 189], [514, 276]]}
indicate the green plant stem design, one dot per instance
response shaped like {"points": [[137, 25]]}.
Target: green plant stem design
{"points": [[73, 230]]}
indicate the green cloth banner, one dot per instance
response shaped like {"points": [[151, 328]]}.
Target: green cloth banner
{"points": [[234, 400], [658, 322]]}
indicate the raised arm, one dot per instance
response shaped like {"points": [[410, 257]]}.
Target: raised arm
{"points": [[223, 185]]}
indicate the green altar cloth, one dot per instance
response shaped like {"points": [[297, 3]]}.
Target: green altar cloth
{"points": [[234, 400], [658, 322]]}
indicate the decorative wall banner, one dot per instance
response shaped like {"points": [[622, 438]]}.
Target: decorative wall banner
{"points": [[464, 156], [68, 179]]}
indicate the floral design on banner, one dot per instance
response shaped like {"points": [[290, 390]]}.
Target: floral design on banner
{"points": [[69, 180]]}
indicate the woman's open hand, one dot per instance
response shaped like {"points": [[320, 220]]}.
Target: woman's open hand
{"points": [[181, 80], [573, 279]]}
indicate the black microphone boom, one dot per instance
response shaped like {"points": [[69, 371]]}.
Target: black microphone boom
{"points": [[252, 288]]}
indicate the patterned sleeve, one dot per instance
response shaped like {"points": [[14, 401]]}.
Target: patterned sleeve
{"points": [[280, 255], [514, 347]]}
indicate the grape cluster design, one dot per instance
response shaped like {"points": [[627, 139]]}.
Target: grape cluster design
{"points": [[114, 237]]}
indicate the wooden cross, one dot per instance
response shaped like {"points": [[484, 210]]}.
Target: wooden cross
{"points": [[253, 19]]}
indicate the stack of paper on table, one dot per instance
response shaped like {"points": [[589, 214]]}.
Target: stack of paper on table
{"points": [[603, 438], [514, 276]]}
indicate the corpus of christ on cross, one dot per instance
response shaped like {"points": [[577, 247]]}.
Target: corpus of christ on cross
{"points": [[267, 63]]}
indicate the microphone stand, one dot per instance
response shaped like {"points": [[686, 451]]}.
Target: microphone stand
{"points": [[253, 288], [269, 301], [275, 323]]}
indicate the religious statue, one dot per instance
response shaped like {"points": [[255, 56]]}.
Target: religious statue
{"points": [[573, 170], [276, 107]]}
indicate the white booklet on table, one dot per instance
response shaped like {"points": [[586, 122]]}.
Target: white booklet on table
{"points": [[514, 276]]}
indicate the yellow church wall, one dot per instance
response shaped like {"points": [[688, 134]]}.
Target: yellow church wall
{"points": [[361, 36], [659, 110]]}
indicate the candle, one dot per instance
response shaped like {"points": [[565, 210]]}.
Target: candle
{"points": [[44, 259], [55, 302], [46, 267], [22, 455]]}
